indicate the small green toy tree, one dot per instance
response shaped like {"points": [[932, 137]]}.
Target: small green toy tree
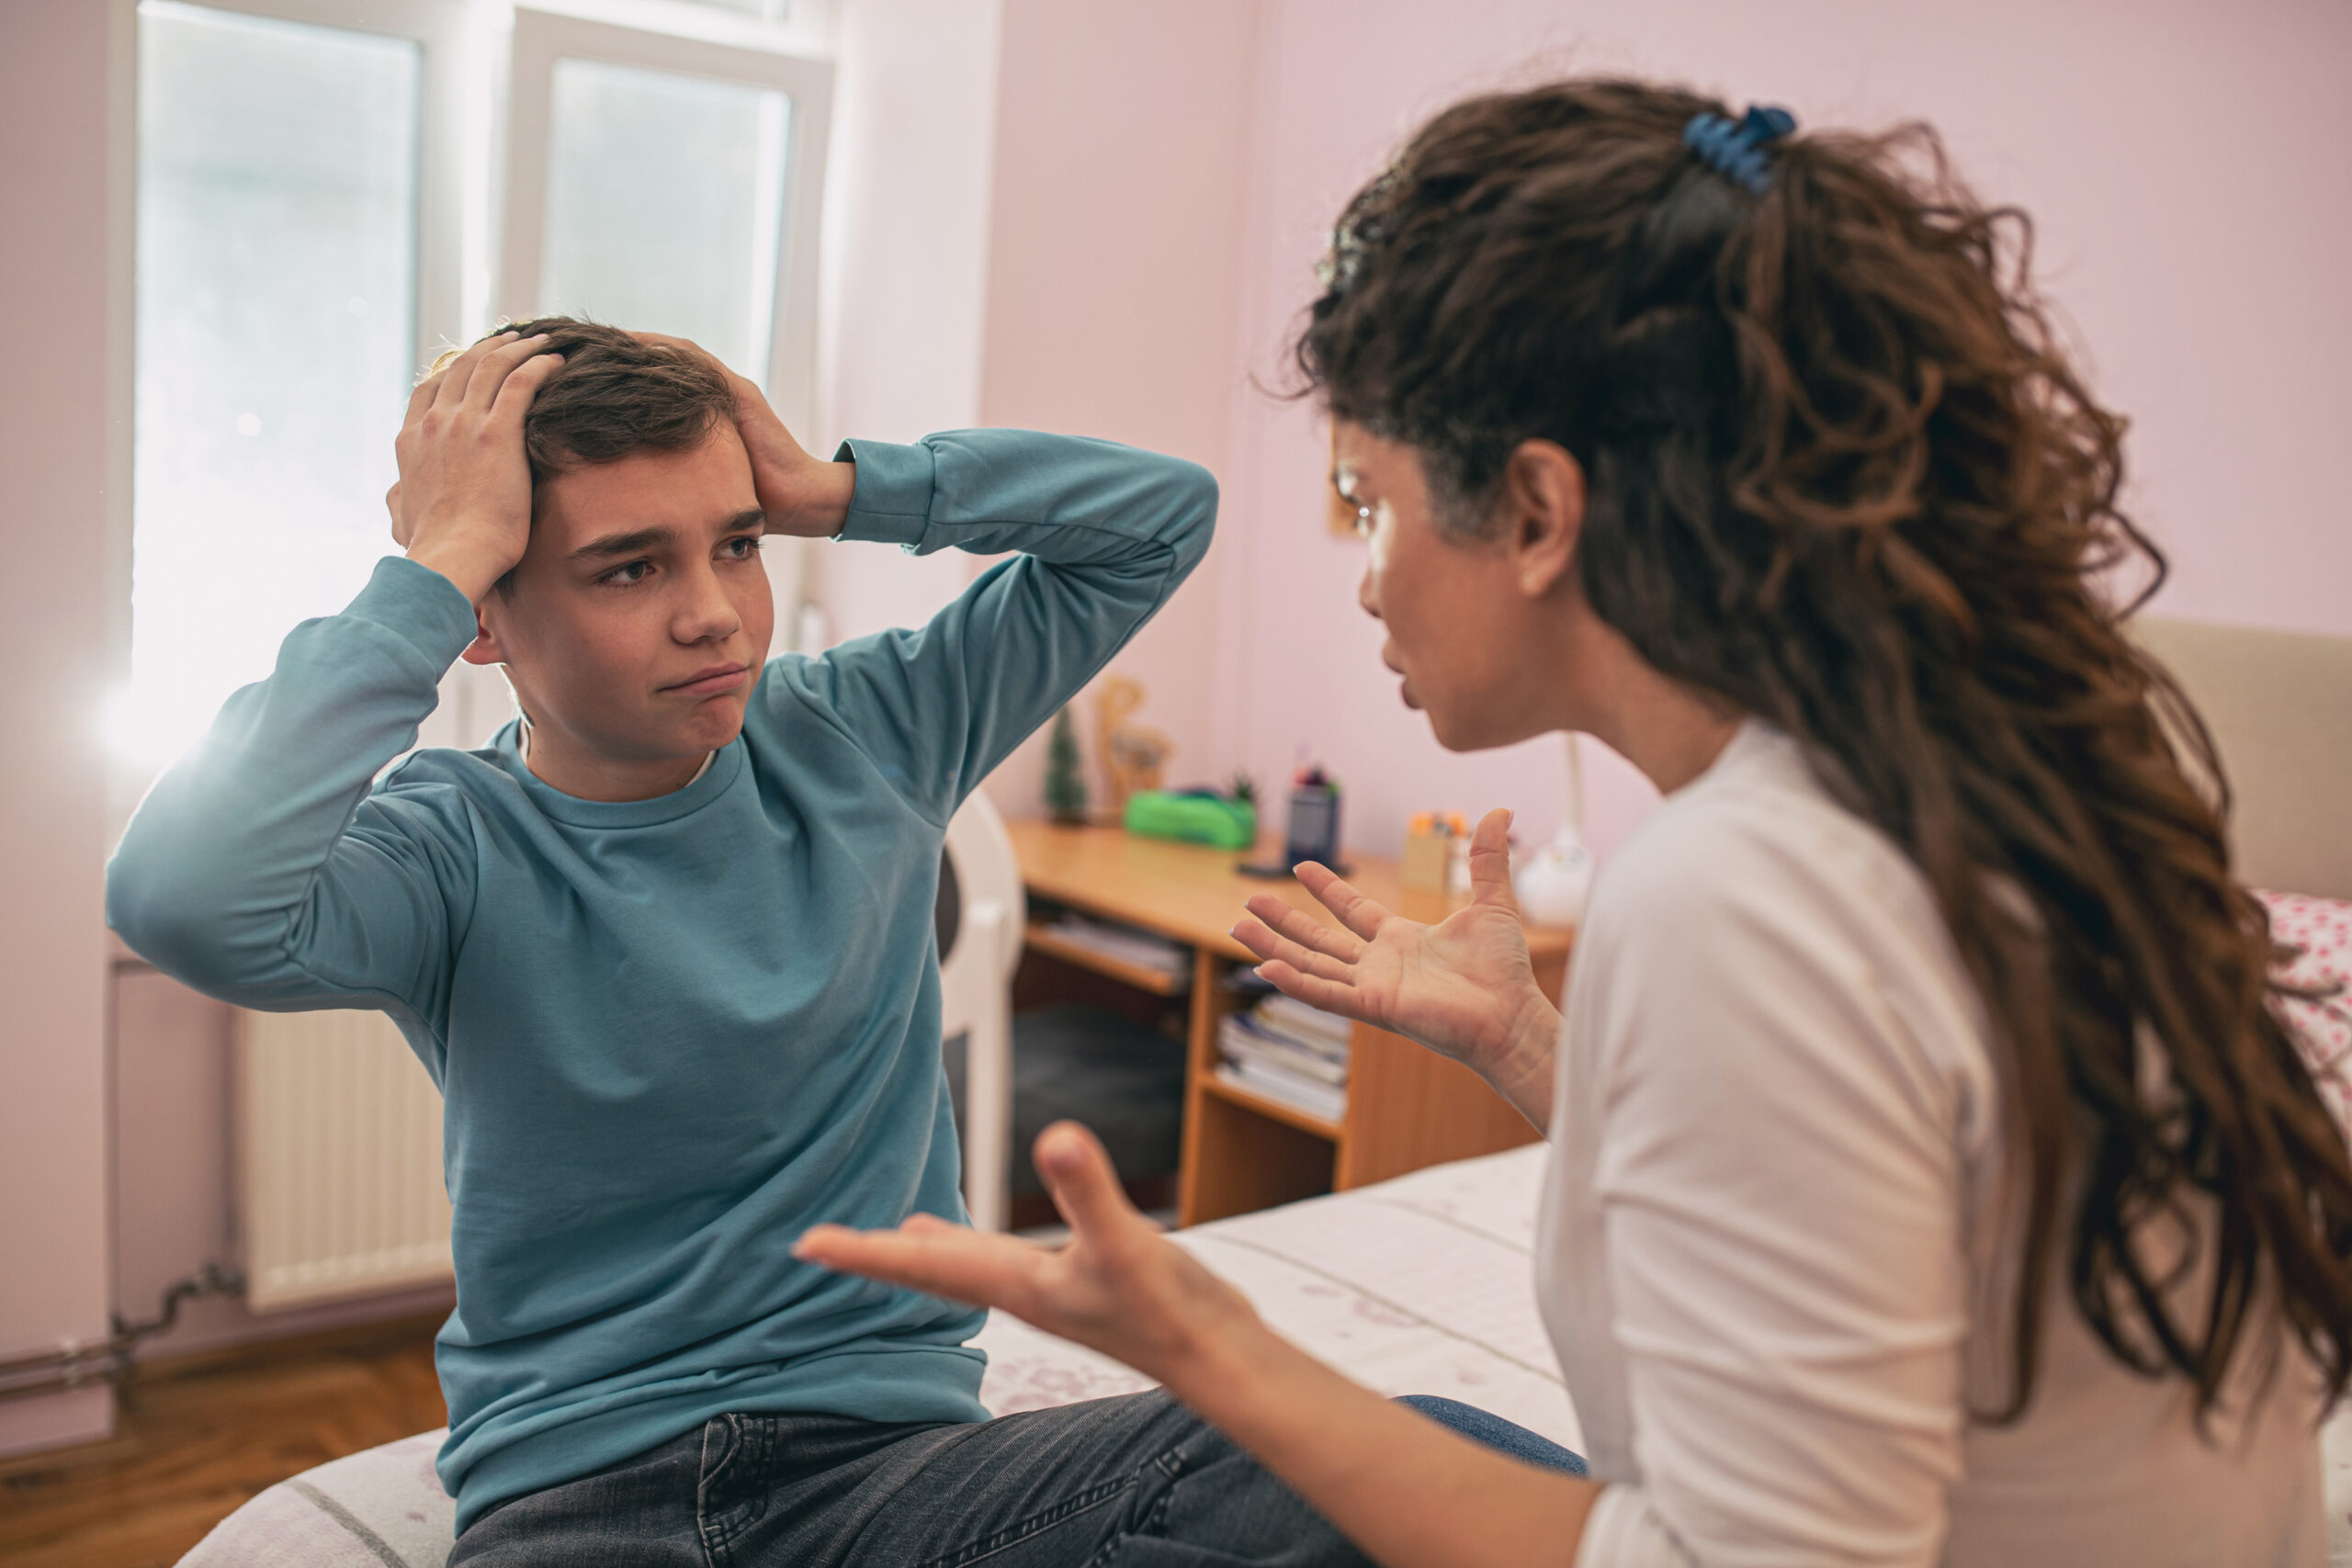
{"points": [[1064, 779]]}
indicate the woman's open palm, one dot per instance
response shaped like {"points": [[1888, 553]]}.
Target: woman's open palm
{"points": [[1462, 986]]}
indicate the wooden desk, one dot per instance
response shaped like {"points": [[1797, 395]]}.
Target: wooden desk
{"points": [[1407, 1107]]}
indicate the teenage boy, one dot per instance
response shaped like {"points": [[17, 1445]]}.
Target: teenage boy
{"points": [[666, 946]]}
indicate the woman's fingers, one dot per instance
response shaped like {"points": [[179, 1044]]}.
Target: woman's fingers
{"points": [[1267, 946], [1304, 929], [1078, 1173], [1490, 861], [919, 1221], [1331, 996], [1352, 909], [949, 1260]]}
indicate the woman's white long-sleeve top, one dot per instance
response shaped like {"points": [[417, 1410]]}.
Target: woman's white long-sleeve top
{"points": [[1773, 1259]]}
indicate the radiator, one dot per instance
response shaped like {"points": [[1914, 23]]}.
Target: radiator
{"points": [[340, 1138]]}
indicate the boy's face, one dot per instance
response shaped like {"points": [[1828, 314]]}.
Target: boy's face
{"points": [[639, 614]]}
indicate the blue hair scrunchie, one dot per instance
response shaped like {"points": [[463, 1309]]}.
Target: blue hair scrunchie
{"points": [[1735, 148]]}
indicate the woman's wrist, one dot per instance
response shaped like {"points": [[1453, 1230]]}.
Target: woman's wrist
{"points": [[1520, 1064], [1222, 1355]]}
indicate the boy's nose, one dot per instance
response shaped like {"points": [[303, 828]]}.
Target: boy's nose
{"points": [[707, 615]]}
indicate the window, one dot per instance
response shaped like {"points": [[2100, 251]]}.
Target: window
{"points": [[668, 183], [277, 308], [305, 239]]}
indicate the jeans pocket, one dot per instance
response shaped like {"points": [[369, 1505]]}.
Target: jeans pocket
{"points": [[725, 1486]]}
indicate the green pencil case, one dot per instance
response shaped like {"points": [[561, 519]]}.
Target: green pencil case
{"points": [[1194, 817]]}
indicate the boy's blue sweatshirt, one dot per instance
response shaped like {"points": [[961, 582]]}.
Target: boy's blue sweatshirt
{"points": [[674, 1033]]}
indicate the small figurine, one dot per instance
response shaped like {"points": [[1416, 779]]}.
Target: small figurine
{"points": [[1132, 755]]}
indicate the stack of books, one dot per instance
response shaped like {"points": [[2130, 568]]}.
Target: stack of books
{"points": [[1128, 944], [1290, 1052]]}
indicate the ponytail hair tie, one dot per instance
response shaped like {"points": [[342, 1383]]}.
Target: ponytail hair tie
{"points": [[1735, 150]]}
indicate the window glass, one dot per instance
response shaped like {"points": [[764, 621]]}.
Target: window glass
{"points": [[277, 197], [665, 206], [773, 10]]}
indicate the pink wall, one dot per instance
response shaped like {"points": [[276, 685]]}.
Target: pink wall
{"points": [[1114, 271], [2179, 158], [905, 266], [54, 517], [174, 1173]]}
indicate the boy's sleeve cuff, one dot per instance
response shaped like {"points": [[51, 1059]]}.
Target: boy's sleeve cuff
{"points": [[892, 503], [420, 605]]}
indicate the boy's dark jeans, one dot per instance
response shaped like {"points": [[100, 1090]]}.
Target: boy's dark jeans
{"points": [[1138, 1482]]}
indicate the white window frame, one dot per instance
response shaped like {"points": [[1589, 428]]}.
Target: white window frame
{"points": [[438, 28], [477, 252], [542, 38]]}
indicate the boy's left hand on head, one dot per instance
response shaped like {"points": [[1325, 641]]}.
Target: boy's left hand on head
{"points": [[1117, 1286], [801, 494]]}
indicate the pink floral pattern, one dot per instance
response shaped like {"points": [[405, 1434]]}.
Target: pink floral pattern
{"points": [[2320, 929]]}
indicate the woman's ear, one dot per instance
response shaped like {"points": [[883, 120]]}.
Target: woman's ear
{"points": [[484, 649], [1544, 514]]}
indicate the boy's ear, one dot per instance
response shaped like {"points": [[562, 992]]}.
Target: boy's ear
{"points": [[484, 649]]}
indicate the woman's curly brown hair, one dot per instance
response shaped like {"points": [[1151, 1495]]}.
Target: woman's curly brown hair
{"points": [[1842, 476]]}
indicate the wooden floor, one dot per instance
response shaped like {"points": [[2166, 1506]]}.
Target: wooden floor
{"points": [[195, 1438]]}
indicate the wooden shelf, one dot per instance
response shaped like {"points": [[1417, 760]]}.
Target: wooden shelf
{"points": [[1407, 1109], [1158, 982], [1272, 1109]]}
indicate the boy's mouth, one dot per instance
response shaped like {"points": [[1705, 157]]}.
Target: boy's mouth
{"points": [[711, 680]]}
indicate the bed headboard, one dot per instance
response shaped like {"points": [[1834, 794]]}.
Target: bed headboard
{"points": [[2280, 706]]}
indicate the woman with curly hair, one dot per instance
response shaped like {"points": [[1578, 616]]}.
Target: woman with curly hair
{"points": [[1929, 1178]]}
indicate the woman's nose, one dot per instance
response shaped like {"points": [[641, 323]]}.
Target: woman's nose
{"points": [[1368, 595]]}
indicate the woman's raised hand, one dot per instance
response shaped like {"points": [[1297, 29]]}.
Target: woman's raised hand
{"points": [[800, 494], [1117, 1286], [1465, 986]]}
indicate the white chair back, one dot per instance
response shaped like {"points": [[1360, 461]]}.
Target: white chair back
{"points": [[982, 914]]}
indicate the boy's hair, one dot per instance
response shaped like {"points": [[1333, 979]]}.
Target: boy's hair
{"points": [[615, 394]]}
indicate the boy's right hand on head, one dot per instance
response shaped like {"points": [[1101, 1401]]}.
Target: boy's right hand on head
{"points": [[462, 504]]}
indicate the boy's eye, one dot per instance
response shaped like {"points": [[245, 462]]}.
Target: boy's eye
{"points": [[632, 571], [743, 547]]}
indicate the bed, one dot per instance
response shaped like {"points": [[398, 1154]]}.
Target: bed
{"points": [[1424, 1284], [1418, 1285]]}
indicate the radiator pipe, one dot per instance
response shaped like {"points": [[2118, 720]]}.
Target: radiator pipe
{"points": [[109, 1360]]}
